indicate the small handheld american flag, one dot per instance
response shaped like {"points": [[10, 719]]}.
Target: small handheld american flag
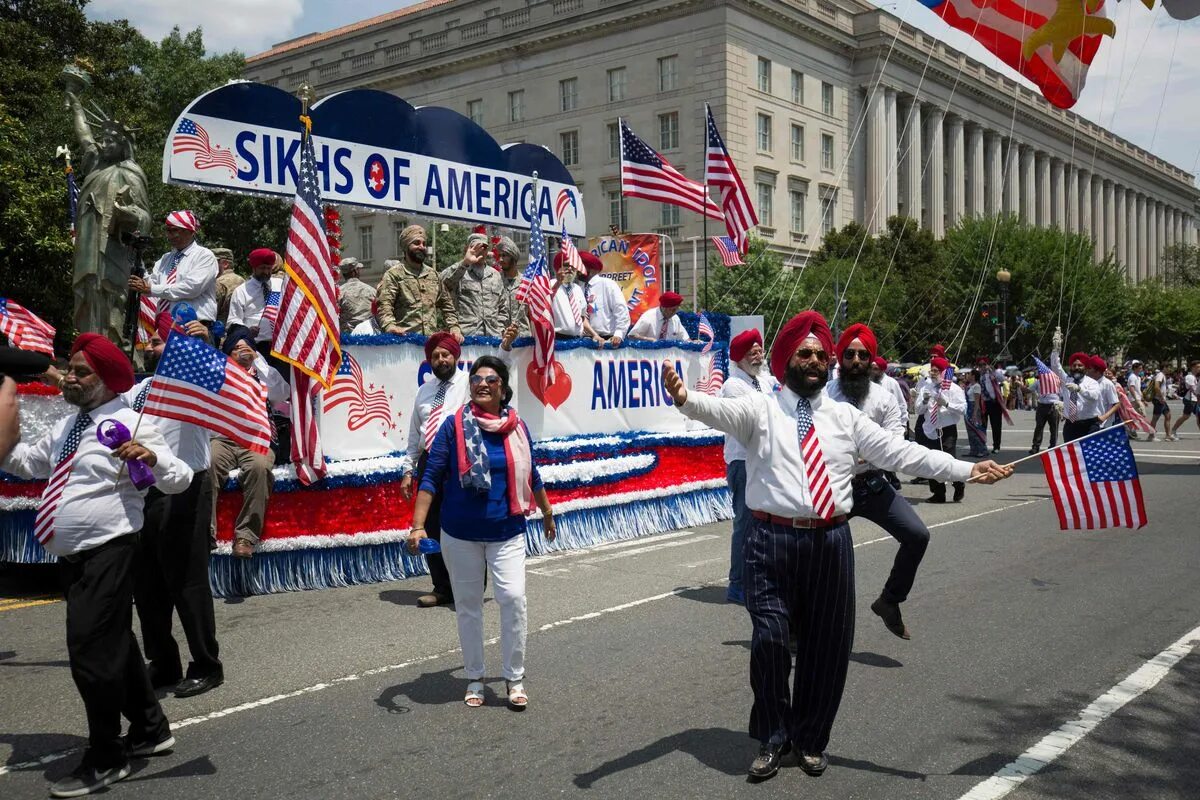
{"points": [[1094, 482], [704, 329]]}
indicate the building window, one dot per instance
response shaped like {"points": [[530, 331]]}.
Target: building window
{"points": [[764, 74], [616, 84], [798, 198], [668, 73], [827, 98], [764, 133], [614, 141], [668, 131], [366, 243], [398, 227], [766, 194], [568, 94], [828, 211], [668, 215], [616, 210], [475, 111], [797, 143], [570, 147], [798, 87], [516, 105], [827, 151]]}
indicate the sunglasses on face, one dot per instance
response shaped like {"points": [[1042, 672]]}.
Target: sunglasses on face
{"points": [[856, 355], [491, 380], [807, 353]]}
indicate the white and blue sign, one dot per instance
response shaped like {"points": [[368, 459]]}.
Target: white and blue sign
{"points": [[373, 150]]}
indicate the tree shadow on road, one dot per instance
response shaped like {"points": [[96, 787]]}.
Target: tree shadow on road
{"points": [[719, 749]]}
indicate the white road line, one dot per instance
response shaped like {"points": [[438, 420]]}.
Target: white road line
{"points": [[649, 548], [587, 551], [1055, 744], [954, 521]]}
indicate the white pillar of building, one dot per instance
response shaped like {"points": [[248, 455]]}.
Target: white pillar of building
{"points": [[1028, 187], [914, 162], [1178, 240], [1143, 241], [1110, 218], [975, 177], [956, 152], [876, 161], [1072, 199], [993, 180], [1096, 189], [1131, 245], [1044, 196], [1157, 233], [1012, 178], [892, 196], [1058, 187], [936, 173], [1121, 230]]}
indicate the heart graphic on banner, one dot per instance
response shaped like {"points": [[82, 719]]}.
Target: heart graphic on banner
{"points": [[556, 393]]}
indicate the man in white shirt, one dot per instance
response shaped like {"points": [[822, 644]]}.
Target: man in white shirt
{"points": [[1110, 401], [186, 274], [89, 517], [945, 406], [444, 393], [568, 304], [1080, 395], [874, 497], [607, 310], [801, 451], [1156, 391], [879, 375], [746, 356], [1190, 394], [248, 306], [1046, 413], [662, 323]]}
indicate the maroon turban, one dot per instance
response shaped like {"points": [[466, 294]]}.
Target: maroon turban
{"points": [[1099, 364], [591, 262], [670, 300], [1083, 358], [880, 362], [937, 362], [163, 324], [106, 360], [740, 345], [445, 341], [795, 331], [937, 350], [981, 360], [858, 331], [262, 257]]}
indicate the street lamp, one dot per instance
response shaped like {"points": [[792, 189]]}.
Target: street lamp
{"points": [[1003, 276]]}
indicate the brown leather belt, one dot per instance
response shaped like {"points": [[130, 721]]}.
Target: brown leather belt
{"points": [[799, 522]]}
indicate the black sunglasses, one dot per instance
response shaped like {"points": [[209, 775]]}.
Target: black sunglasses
{"points": [[859, 355]]}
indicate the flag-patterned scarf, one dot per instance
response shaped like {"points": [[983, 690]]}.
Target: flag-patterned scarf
{"points": [[474, 469]]}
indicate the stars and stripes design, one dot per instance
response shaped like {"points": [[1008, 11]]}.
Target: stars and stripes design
{"points": [[646, 174], [436, 411], [1130, 414], [169, 276], [570, 251], [1048, 381], [534, 292], [147, 315], [271, 310], [1094, 482], [24, 329], [819, 486], [704, 330], [190, 137], [72, 199], [721, 174], [364, 404], [43, 526], [728, 250], [713, 379], [947, 382], [197, 383]]}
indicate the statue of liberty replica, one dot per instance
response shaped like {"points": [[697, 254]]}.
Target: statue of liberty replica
{"points": [[113, 211]]}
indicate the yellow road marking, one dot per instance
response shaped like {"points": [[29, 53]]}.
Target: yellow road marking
{"points": [[15, 603]]}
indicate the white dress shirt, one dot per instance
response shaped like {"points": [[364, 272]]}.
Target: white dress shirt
{"points": [[95, 505], [195, 281], [649, 326], [775, 478], [457, 395], [610, 312], [279, 391], [1108, 399], [246, 307], [564, 316], [879, 406], [1087, 399], [1133, 386], [187, 440], [949, 414], [740, 383], [893, 387], [1189, 387]]}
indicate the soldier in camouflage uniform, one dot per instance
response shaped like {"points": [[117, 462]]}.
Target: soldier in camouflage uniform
{"points": [[411, 296], [354, 296], [477, 289], [514, 314], [227, 281]]}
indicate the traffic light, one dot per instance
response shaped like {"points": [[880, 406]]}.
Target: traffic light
{"points": [[990, 313]]}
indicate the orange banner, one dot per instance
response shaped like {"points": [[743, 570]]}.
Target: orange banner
{"points": [[633, 262]]}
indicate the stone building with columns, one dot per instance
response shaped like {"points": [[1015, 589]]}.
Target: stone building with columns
{"points": [[833, 110]]}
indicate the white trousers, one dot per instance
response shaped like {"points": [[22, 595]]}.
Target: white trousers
{"points": [[506, 561]]}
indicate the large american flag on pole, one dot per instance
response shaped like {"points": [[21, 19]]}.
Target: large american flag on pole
{"points": [[24, 329], [646, 174], [1094, 482], [534, 292], [720, 173], [197, 383]]}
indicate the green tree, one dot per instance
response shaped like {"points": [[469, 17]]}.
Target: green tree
{"points": [[763, 286]]}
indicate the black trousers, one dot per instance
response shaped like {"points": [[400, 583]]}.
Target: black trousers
{"points": [[995, 415], [877, 501], [1045, 414], [803, 581], [433, 529], [1080, 427], [172, 575], [105, 660], [947, 444]]}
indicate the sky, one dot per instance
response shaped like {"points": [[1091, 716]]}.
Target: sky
{"points": [[1144, 84]]}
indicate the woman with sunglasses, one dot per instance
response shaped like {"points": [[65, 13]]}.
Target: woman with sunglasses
{"points": [[482, 463]]}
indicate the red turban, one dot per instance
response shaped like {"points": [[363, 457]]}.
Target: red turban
{"points": [[591, 262], [106, 360], [857, 331], [937, 362], [559, 258], [880, 362], [981, 360], [740, 345], [163, 324], [1099, 364], [445, 341], [262, 257], [937, 350], [670, 300], [795, 331], [1083, 358]]}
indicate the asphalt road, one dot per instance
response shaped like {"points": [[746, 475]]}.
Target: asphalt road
{"points": [[638, 673]]}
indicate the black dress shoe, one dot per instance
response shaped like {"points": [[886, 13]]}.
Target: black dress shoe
{"points": [[161, 679], [813, 763], [891, 616], [766, 764], [190, 687], [959, 491], [936, 498]]}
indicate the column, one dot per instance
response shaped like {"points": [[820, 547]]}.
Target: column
{"points": [[1156, 231], [1058, 187], [1142, 239], [876, 162], [1131, 259], [993, 180], [1121, 230], [1012, 178], [892, 173], [1044, 196], [1085, 202], [975, 177], [1178, 227], [913, 162], [1028, 187], [1095, 189], [936, 173], [956, 152], [1110, 218], [1072, 199]]}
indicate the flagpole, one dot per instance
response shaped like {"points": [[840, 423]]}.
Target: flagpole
{"points": [[704, 161], [1061, 446]]}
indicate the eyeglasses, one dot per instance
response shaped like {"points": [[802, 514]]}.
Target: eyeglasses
{"points": [[806, 353], [859, 355], [491, 380]]}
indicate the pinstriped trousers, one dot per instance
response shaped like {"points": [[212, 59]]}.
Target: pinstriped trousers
{"points": [[801, 580]]}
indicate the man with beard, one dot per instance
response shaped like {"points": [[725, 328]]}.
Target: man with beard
{"points": [[248, 304], [411, 295], [874, 497], [945, 406], [1080, 395], [801, 449], [607, 310], [745, 376], [437, 400], [89, 517]]}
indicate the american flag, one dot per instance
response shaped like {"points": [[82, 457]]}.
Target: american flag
{"points": [[1129, 414], [147, 317], [192, 138], [24, 329], [363, 404], [534, 292], [720, 172], [730, 256], [1048, 381], [307, 333], [271, 308], [570, 252], [819, 488], [1094, 482], [704, 328], [72, 199], [713, 380], [197, 383], [947, 382], [646, 174]]}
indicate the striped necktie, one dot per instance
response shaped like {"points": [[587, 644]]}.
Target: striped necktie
{"points": [[1071, 406], [754, 382], [576, 309], [932, 414], [666, 326], [814, 461], [139, 402], [165, 304], [43, 527], [435, 415]]}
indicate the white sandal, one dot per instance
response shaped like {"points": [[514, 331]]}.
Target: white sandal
{"points": [[474, 696], [517, 699]]}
